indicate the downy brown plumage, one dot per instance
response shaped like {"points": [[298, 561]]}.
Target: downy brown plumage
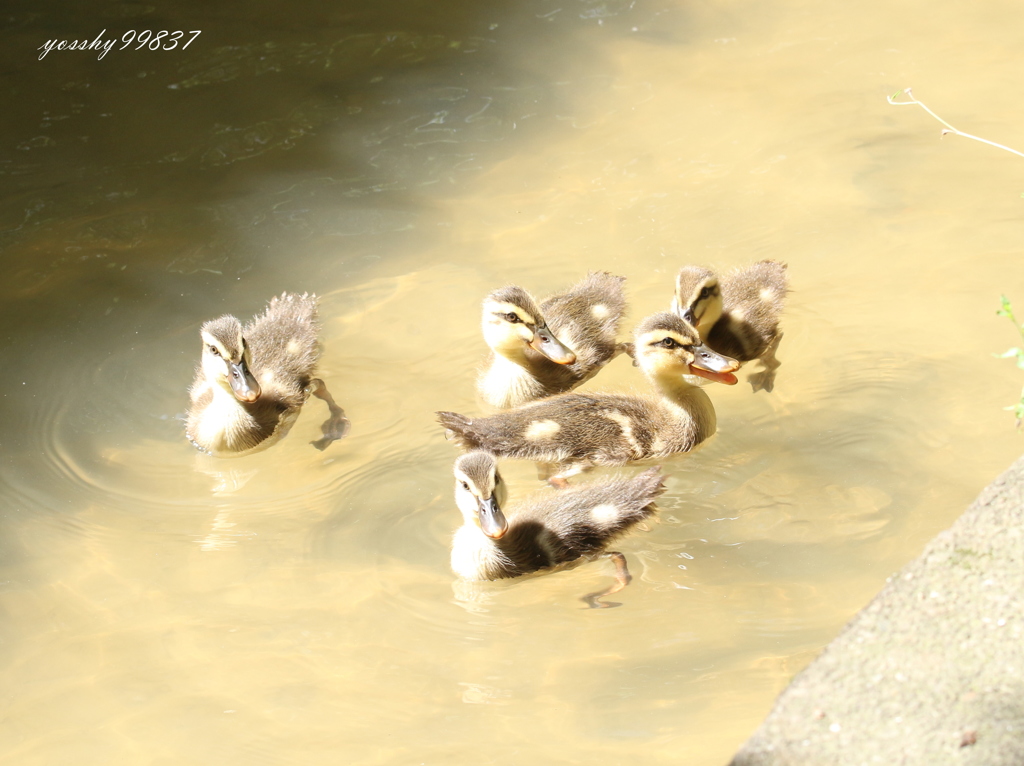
{"points": [[545, 530], [737, 315], [542, 350], [612, 429], [253, 380]]}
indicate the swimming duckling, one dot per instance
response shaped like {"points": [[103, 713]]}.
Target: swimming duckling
{"points": [[612, 429], [543, 350], [253, 380], [739, 315], [547, 530]]}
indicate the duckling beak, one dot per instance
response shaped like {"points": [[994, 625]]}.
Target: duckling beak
{"points": [[713, 366], [492, 520], [243, 384], [546, 343]]}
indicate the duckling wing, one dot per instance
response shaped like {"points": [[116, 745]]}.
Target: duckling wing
{"points": [[284, 347], [563, 526], [586, 318], [753, 299]]}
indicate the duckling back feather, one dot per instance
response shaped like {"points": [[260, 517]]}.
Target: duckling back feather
{"points": [[753, 299], [568, 524], [284, 347], [586, 318], [603, 429]]}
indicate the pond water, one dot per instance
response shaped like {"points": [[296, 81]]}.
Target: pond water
{"points": [[402, 159]]}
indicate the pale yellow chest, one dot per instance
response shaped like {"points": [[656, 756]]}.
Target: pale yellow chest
{"points": [[474, 555], [221, 422], [506, 384]]}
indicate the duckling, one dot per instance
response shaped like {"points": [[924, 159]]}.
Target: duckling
{"points": [[543, 350], [612, 429], [252, 380], [739, 315], [544, 531]]}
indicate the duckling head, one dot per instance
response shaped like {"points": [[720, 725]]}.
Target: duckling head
{"points": [[512, 322], [668, 347], [698, 298], [226, 358], [480, 492]]}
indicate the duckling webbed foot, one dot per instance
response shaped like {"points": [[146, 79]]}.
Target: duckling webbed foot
{"points": [[622, 579], [337, 425], [557, 474], [766, 378]]}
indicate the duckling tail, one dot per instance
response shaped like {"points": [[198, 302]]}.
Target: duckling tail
{"points": [[650, 483], [636, 501], [461, 428]]}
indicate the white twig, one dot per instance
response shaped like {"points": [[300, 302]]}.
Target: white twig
{"points": [[949, 128]]}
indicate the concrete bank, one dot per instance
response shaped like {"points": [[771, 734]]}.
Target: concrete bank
{"points": [[932, 670]]}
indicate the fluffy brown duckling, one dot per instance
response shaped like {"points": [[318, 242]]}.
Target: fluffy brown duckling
{"points": [[540, 350], [546, 530], [612, 429], [738, 315], [253, 380]]}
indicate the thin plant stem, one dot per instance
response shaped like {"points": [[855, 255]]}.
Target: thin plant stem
{"points": [[1006, 310], [949, 128]]}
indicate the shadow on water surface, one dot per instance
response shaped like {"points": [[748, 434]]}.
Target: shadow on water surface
{"points": [[148, 190], [101, 154], [293, 142]]}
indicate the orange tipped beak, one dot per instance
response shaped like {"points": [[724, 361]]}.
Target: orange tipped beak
{"points": [[492, 520], [243, 384], [711, 365], [546, 343], [719, 377]]}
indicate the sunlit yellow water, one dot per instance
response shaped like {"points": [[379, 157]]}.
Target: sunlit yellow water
{"points": [[158, 606]]}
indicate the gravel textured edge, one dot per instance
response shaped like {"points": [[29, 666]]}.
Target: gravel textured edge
{"points": [[932, 670]]}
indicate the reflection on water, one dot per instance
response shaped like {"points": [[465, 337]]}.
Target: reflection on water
{"points": [[160, 606]]}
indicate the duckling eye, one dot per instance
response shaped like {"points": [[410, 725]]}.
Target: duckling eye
{"points": [[465, 485], [214, 351], [512, 317], [669, 343], [705, 292]]}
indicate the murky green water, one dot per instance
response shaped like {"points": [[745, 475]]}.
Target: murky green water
{"points": [[403, 159]]}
